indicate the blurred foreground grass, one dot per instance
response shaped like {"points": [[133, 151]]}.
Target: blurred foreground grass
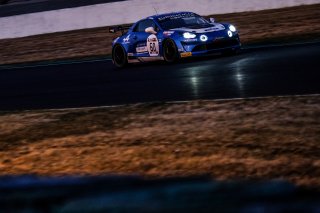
{"points": [[260, 139]]}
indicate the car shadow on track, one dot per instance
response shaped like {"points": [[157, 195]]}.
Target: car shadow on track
{"points": [[184, 61]]}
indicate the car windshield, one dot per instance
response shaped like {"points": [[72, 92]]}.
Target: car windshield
{"points": [[182, 20]]}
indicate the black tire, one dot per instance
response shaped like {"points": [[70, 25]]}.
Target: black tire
{"points": [[119, 56], [170, 51]]}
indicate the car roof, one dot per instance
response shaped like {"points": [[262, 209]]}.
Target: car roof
{"points": [[167, 14]]}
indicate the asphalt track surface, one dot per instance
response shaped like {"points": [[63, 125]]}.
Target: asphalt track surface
{"points": [[269, 71]]}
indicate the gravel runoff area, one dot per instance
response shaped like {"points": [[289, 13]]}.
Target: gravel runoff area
{"points": [[274, 138], [294, 24]]}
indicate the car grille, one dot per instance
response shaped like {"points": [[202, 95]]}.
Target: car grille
{"points": [[216, 45]]}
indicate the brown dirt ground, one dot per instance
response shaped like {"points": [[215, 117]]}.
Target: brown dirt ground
{"points": [[258, 139], [270, 26]]}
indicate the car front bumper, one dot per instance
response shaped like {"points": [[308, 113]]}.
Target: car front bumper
{"points": [[214, 44]]}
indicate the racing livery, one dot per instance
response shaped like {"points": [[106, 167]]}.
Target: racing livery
{"points": [[173, 36]]}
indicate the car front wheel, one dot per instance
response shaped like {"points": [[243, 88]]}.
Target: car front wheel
{"points": [[170, 51]]}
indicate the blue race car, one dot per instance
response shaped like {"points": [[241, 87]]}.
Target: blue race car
{"points": [[172, 36]]}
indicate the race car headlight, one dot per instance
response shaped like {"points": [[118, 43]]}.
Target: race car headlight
{"points": [[189, 35], [204, 38], [232, 28]]}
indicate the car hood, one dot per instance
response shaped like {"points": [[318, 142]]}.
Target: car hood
{"points": [[213, 28]]}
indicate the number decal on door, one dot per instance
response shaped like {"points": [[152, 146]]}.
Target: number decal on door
{"points": [[153, 45]]}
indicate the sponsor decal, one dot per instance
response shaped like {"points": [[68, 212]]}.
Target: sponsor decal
{"points": [[142, 44], [126, 39], [152, 39], [186, 54], [130, 54], [153, 45], [168, 33], [190, 40], [176, 16], [142, 49]]}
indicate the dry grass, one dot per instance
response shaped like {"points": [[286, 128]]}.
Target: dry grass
{"points": [[281, 25], [273, 138]]}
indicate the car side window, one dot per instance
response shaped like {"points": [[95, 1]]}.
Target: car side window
{"points": [[142, 25]]}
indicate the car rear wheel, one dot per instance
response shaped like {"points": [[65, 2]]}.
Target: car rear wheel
{"points": [[170, 51], [119, 56]]}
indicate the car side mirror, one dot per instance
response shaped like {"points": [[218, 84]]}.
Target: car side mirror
{"points": [[150, 30], [212, 20]]}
